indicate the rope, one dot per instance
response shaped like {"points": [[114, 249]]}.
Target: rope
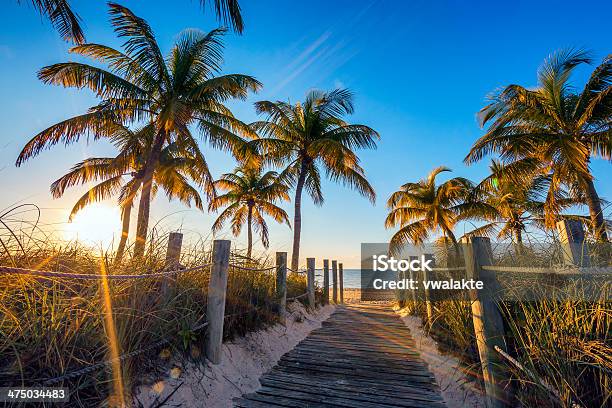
{"points": [[459, 268], [558, 271], [252, 269], [297, 297], [543, 383], [54, 274], [97, 366]]}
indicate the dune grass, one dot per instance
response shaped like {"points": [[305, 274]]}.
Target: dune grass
{"points": [[52, 326], [561, 334]]}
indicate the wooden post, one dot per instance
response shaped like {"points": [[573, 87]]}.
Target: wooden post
{"points": [[173, 253], [426, 277], [575, 250], [173, 256], [310, 270], [335, 280], [215, 308], [326, 281], [413, 292], [281, 284], [487, 319], [341, 280]]}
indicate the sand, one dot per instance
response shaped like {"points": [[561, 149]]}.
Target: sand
{"points": [[352, 295], [458, 390], [243, 361]]}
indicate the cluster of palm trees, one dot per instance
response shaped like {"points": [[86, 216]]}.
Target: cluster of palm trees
{"points": [[149, 107], [545, 138]]}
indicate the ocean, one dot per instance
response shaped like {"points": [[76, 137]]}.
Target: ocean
{"points": [[352, 278]]}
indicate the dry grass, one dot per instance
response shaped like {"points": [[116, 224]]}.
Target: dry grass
{"points": [[51, 326], [561, 333]]}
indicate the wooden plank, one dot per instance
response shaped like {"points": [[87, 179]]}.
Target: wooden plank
{"points": [[391, 375], [406, 391], [349, 361], [341, 354], [374, 353], [365, 394], [404, 387], [333, 341], [350, 402]]}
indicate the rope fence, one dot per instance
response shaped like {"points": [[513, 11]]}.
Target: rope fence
{"points": [[87, 276], [219, 269], [244, 268], [55, 274]]}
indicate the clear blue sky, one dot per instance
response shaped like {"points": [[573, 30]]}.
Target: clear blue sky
{"points": [[420, 71]]}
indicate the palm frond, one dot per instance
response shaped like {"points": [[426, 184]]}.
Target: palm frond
{"points": [[64, 20]]}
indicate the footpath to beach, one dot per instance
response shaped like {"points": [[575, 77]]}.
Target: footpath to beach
{"points": [[362, 356]]}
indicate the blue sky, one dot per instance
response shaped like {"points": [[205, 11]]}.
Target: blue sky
{"points": [[420, 72]]}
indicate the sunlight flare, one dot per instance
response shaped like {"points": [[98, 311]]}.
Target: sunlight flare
{"points": [[96, 224]]}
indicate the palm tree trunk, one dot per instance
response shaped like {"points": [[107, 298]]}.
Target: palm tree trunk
{"points": [[454, 258], [297, 218], [518, 236], [249, 231], [595, 211], [144, 206], [125, 230]]}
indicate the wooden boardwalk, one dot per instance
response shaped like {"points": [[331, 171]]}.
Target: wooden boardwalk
{"points": [[362, 356]]}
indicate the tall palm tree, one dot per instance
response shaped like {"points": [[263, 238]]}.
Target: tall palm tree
{"points": [[424, 207], [249, 196], [68, 23], [171, 93], [178, 164], [556, 127], [311, 137]]}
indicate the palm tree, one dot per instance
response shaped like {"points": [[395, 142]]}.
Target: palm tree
{"points": [[249, 196], [177, 165], [68, 23], [424, 207], [310, 137], [556, 128], [170, 93], [506, 204]]}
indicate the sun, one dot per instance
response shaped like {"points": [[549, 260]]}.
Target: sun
{"points": [[96, 224]]}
